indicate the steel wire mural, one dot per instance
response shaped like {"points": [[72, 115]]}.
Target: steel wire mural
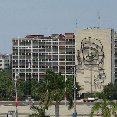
{"points": [[91, 55]]}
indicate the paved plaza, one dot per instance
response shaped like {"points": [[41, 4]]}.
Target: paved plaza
{"points": [[83, 110]]}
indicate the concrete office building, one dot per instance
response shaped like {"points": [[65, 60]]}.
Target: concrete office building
{"points": [[4, 61], [115, 58], [95, 48], [34, 54]]}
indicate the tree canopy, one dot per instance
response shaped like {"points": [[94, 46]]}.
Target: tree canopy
{"points": [[105, 107], [54, 87], [6, 85], [110, 91]]}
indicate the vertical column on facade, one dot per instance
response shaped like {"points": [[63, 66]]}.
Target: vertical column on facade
{"points": [[38, 60], [45, 54], [51, 54], [113, 60], [25, 63], [12, 60], [73, 54], [65, 42], [113, 56], [18, 57], [31, 59], [58, 56], [65, 59]]}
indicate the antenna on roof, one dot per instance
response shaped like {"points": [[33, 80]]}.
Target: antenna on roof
{"points": [[76, 23], [76, 26], [99, 19]]}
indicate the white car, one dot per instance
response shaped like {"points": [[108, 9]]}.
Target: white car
{"points": [[90, 99]]}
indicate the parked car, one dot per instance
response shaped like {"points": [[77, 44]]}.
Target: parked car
{"points": [[29, 100], [89, 99]]}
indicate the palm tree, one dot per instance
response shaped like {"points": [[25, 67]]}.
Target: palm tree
{"points": [[54, 88], [107, 108], [39, 111]]}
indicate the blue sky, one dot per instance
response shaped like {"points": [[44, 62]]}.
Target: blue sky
{"points": [[21, 17]]}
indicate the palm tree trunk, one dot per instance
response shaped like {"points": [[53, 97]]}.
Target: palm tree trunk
{"points": [[57, 109]]}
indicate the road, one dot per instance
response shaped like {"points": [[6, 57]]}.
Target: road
{"points": [[24, 103], [83, 109]]}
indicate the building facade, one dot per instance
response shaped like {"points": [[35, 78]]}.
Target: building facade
{"points": [[4, 61], [95, 58], [115, 58], [34, 54]]}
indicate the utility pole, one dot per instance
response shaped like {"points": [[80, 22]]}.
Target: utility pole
{"points": [[75, 113], [30, 80], [91, 81], [16, 101]]}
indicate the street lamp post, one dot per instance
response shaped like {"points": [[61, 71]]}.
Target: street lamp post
{"points": [[16, 101], [91, 82], [30, 80], [75, 113]]}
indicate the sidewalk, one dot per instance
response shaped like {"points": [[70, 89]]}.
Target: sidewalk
{"points": [[64, 112]]}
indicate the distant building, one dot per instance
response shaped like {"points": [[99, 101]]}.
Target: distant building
{"points": [[96, 58], [34, 54], [114, 53], [4, 61]]}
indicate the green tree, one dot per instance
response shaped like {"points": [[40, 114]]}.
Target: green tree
{"points": [[21, 88], [70, 91], [107, 108], [34, 89], [54, 88], [6, 85], [39, 111], [25, 88], [110, 91]]}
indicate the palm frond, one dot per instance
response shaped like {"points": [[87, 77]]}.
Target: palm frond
{"points": [[107, 108], [39, 111]]}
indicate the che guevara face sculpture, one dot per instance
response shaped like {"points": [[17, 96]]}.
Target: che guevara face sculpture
{"points": [[91, 54]]}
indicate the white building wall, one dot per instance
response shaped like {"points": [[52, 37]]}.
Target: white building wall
{"points": [[84, 73], [4, 61], [1, 63]]}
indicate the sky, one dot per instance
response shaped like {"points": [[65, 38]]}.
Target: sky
{"points": [[19, 18]]}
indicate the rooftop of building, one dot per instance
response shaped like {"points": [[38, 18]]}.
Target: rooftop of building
{"points": [[96, 28], [3, 56], [52, 36]]}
